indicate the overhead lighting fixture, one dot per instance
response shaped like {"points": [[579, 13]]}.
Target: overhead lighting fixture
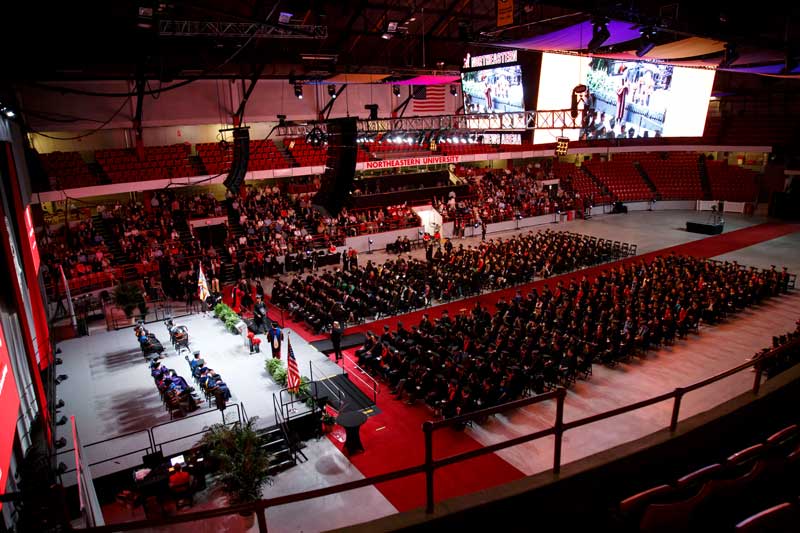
{"points": [[332, 90], [454, 90], [730, 57], [396, 90], [298, 91], [646, 42], [600, 34], [285, 18], [316, 137]]}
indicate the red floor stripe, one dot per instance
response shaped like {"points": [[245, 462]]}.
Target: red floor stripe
{"points": [[393, 439]]}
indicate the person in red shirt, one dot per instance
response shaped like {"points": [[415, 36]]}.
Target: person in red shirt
{"points": [[179, 477]]}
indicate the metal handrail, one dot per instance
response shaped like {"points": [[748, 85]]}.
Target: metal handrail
{"points": [[430, 465], [375, 386], [325, 381], [201, 413]]}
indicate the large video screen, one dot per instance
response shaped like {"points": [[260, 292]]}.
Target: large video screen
{"points": [[624, 99], [493, 90]]}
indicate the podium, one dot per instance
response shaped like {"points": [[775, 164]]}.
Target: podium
{"points": [[706, 229]]}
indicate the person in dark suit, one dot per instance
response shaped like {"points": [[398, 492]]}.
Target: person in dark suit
{"points": [[336, 339]]}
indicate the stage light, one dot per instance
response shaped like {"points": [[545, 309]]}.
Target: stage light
{"points": [[396, 90], [600, 34], [316, 137], [332, 91], [646, 42], [731, 55], [285, 18], [562, 145], [298, 91], [8, 112], [454, 90]]}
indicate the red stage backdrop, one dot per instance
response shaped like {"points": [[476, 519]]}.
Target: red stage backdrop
{"points": [[9, 409]]}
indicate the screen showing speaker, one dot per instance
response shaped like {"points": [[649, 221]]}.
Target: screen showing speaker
{"points": [[624, 99], [493, 90]]}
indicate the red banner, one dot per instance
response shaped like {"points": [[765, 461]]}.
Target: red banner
{"points": [[32, 239], [9, 411]]}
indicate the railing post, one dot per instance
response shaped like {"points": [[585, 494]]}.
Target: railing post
{"points": [[261, 516], [559, 429], [427, 428], [676, 409], [757, 381]]}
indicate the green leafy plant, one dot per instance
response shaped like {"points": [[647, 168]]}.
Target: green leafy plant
{"points": [[272, 365], [128, 296], [280, 376], [328, 419], [219, 308], [230, 323], [243, 463]]}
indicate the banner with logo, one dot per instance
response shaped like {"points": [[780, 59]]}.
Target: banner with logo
{"points": [[410, 162], [505, 12], [9, 411]]}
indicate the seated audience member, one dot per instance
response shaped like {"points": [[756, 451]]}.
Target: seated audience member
{"points": [[196, 363], [179, 478]]}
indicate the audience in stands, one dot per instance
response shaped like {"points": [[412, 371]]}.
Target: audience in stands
{"points": [[496, 196]]}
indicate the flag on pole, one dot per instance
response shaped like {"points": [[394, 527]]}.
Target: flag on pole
{"points": [[292, 372], [202, 286]]}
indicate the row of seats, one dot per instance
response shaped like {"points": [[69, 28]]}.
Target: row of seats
{"points": [[621, 178], [720, 495], [732, 183]]}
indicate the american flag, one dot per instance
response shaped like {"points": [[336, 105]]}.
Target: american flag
{"points": [[202, 286], [292, 373], [428, 99]]}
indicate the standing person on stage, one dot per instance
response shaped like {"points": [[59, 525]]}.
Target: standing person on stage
{"points": [[336, 339], [483, 230], [275, 339]]}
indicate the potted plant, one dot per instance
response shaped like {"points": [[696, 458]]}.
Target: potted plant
{"points": [[127, 297], [328, 422], [243, 463]]}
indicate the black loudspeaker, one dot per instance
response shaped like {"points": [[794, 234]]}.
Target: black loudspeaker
{"points": [[340, 167], [241, 156]]}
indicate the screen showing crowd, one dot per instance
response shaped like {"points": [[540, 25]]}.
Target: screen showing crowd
{"points": [[493, 90], [624, 99]]}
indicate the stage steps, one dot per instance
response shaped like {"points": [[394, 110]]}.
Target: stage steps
{"points": [[280, 454], [600, 185], [353, 398], [650, 185], [704, 181]]}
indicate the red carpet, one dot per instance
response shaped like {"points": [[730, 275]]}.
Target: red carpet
{"points": [[393, 439]]}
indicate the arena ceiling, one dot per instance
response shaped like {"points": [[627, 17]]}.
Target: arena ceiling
{"points": [[173, 40]]}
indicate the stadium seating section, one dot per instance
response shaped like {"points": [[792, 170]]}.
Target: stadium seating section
{"points": [[621, 178], [731, 183], [67, 170]]}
